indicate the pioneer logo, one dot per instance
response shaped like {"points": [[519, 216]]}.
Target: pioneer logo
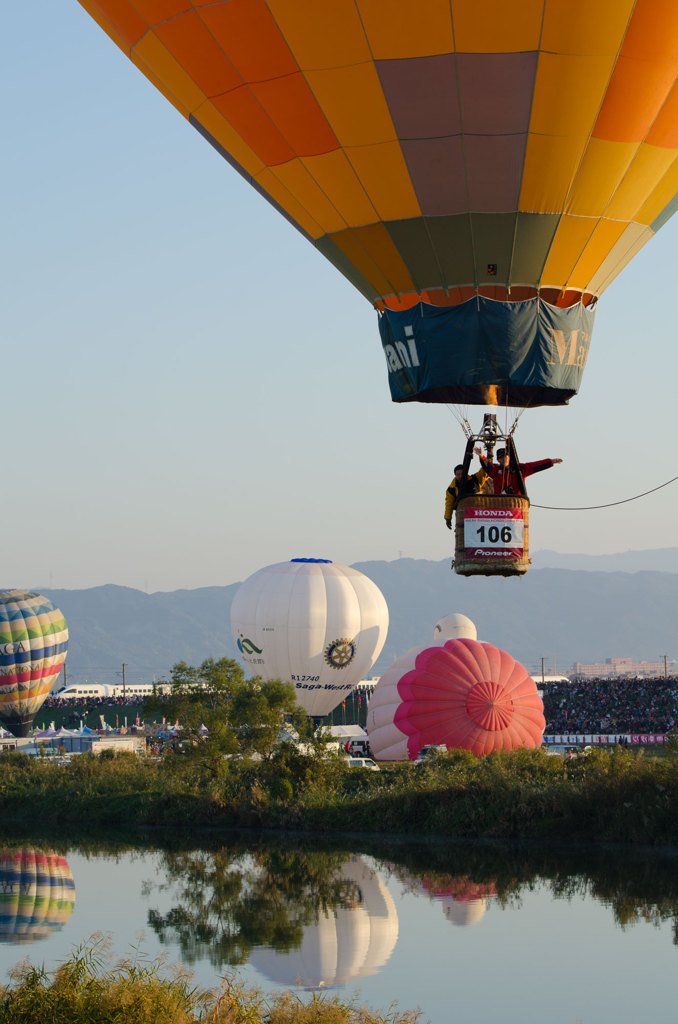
{"points": [[491, 553]]}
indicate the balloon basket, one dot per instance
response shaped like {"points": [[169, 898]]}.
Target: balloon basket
{"points": [[492, 535], [19, 727]]}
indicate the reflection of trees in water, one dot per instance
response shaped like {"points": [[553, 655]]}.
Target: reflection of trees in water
{"points": [[255, 893], [632, 899], [636, 885], [229, 900]]}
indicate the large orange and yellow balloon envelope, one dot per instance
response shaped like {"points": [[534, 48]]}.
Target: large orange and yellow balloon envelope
{"points": [[464, 694], [481, 172], [37, 894]]}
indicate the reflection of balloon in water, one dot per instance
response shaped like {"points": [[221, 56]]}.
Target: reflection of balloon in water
{"points": [[346, 943], [37, 895], [480, 175], [464, 914], [33, 643], [317, 623], [463, 694], [463, 900], [454, 627]]}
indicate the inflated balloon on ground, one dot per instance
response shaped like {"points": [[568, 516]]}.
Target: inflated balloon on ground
{"points": [[33, 646], [314, 622], [453, 627], [463, 694]]}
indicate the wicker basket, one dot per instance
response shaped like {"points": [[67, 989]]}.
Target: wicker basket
{"points": [[503, 564]]}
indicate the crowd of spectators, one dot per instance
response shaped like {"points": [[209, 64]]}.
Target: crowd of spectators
{"points": [[91, 703], [612, 705], [597, 705]]}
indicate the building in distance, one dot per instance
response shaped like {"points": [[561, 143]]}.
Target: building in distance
{"points": [[623, 667]]}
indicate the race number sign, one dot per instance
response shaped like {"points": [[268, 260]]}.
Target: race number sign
{"points": [[493, 532]]}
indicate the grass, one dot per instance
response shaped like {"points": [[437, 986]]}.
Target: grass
{"points": [[88, 989], [612, 795]]}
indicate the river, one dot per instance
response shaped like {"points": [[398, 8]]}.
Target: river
{"points": [[468, 933]]}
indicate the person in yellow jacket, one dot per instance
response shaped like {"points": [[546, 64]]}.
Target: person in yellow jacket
{"points": [[472, 485]]}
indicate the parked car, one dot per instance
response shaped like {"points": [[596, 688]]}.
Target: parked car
{"points": [[571, 752], [430, 752], [359, 748], [363, 762]]}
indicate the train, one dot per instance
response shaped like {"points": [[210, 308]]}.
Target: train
{"points": [[91, 691]]}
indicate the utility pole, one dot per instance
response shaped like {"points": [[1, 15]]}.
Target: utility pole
{"points": [[124, 683], [542, 671], [666, 668]]}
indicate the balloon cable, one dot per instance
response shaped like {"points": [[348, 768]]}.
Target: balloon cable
{"points": [[588, 508]]}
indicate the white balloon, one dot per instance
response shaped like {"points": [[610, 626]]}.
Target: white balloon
{"points": [[454, 627], [464, 912], [387, 741], [316, 623], [345, 943]]}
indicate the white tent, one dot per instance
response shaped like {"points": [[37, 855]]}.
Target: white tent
{"points": [[347, 732]]}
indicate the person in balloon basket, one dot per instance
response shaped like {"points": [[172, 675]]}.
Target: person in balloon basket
{"points": [[504, 476], [474, 484]]}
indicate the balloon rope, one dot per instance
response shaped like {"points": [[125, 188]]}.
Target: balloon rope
{"points": [[588, 508]]}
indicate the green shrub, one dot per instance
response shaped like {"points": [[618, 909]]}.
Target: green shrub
{"points": [[86, 989]]}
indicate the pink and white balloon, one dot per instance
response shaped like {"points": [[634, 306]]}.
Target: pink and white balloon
{"points": [[463, 694]]}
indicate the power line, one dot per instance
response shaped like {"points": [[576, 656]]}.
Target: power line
{"points": [[610, 504]]}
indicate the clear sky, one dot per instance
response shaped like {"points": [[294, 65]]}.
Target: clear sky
{"points": [[191, 391]]}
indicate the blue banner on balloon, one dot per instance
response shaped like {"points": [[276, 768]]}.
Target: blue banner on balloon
{"points": [[485, 352]]}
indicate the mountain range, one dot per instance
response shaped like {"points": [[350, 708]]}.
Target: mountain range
{"points": [[568, 608]]}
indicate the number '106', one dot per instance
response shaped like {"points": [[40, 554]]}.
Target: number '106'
{"points": [[494, 533]]}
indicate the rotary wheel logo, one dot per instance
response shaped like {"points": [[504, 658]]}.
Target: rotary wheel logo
{"points": [[340, 653]]}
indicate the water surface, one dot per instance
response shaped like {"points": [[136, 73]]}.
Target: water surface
{"points": [[475, 934]]}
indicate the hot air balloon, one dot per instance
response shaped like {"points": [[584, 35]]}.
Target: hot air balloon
{"points": [[33, 644], [454, 626], [314, 622], [37, 895], [346, 943], [480, 173], [464, 694]]}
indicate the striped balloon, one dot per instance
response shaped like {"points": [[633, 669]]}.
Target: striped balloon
{"points": [[442, 153], [37, 895], [33, 644]]}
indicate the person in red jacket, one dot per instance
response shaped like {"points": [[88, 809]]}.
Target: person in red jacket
{"points": [[504, 476]]}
